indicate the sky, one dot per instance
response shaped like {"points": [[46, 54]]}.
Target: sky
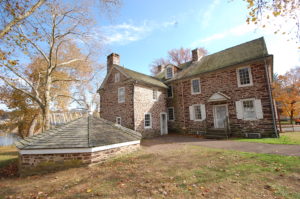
{"points": [[143, 31]]}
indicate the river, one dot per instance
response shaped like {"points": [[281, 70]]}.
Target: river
{"points": [[7, 139]]}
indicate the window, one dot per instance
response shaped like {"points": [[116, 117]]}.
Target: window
{"points": [[169, 72], [121, 95], [170, 91], [118, 120], [249, 109], [197, 112], [154, 95], [244, 77], [148, 120], [171, 115], [195, 86], [117, 77]]}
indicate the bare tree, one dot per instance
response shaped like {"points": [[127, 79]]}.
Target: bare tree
{"points": [[58, 34], [176, 57]]}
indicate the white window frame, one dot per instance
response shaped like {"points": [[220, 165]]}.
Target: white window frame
{"points": [[119, 118], [173, 114], [194, 108], [148, 127], [119, 95], [239, 79], [153, 95], [192, 89], [166, 74], [171, 92], [253, 101], [117, 77]]}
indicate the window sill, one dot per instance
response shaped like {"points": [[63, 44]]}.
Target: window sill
{"points": [[245, 85], [196, 93]]}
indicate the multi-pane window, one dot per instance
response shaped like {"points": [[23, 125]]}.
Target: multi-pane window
{"points": [[117, 77], [171, 115], [170, 91], [154, 94], [118, 120], [147, 120], [197, 112], [244, 75], [169, 72], [249, 109], [121, 94], [195, 83]]}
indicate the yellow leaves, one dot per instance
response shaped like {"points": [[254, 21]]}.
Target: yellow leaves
{"points": [[276, 13], [12, 62], [89, 190]]}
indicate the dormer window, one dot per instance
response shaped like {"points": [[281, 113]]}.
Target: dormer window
{"points": [[117, 77], [169, 72]]}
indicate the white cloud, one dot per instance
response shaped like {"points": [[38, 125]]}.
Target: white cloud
{"points": [[286, 54], [209, 12], [234, 31], [128, 32]]}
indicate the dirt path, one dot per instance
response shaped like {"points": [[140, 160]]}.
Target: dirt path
{"points": [[167, 142]]}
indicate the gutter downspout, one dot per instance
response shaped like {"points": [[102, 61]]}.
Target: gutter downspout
{"points": [[271, 99], [133, 101], [182, 104]]}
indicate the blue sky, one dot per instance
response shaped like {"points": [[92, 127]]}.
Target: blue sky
{"points": [[146, 30]]}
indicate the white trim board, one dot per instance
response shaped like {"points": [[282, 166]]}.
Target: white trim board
{"points": [[76, 150]]}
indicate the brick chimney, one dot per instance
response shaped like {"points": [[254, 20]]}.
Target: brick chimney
{"points": [[197, 54], [112, 59]]}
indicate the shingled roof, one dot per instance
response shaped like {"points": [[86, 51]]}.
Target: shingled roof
{"points": [[85, 132], [235, 55], [141, 77]]}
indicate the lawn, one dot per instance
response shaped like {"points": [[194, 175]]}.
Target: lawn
{"points": [[285, 138], [8, 154], [168, 171], [8, 161]]}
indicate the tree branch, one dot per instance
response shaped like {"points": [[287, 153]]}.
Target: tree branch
{"points": [[35, 98], [16, 20]]}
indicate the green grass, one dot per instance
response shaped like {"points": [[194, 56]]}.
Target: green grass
{"points": [[172, 171], [8, 154], [285, 138]]}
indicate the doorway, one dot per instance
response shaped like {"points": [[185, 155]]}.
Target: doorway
{"points": [[163, 124], [220, 113]]}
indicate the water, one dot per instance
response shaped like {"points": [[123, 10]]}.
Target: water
{"points": [[7, 139]]}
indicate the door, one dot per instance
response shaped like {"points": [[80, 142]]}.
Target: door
{"points": [[163, 124], [220, 114]]}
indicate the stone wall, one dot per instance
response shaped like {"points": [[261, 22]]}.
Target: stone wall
{"points": [[225, 81], [110, 108], [144, 103], [30, 164]]}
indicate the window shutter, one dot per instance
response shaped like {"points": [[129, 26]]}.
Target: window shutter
{"points": [[203, 112], [192, 115], [239, 109], [258, 109]]}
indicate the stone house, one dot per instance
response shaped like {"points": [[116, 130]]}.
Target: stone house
{"points": [[227, 93]]}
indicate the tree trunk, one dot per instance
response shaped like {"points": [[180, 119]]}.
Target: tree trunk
{"points": [[46, 109], [292, 117], [32, 126]]}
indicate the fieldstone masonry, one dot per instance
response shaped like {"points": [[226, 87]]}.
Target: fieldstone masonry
{"points": [[29, 163]]}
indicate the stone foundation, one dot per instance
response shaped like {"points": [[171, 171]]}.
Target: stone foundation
{"points": [[30, 164]]}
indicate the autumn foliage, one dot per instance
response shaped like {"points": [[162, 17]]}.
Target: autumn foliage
{"points": [[286, 90]]}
